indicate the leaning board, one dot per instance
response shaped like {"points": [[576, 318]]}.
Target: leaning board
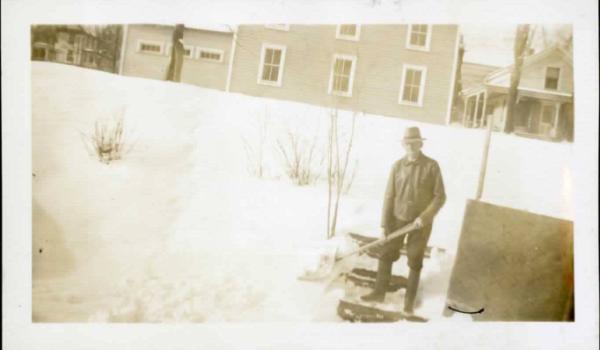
{"points": [[516, 265]]}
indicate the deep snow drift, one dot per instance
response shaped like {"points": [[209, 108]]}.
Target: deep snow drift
{"points": [[179, 230]]}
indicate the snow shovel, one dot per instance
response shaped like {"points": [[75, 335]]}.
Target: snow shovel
{"points": [[327, 265]]}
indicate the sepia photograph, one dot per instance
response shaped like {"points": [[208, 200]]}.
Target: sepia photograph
{"points": [[316, 174], [289, 172]]}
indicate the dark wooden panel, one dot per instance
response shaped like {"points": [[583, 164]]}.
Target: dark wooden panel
{"points": [[516, 265]]}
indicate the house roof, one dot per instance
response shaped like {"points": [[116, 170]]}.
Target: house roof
{"points": [[215, 27], [492, 80], [209, 27], [78, 29], [535, 93], [530, 60], [473, 74]]}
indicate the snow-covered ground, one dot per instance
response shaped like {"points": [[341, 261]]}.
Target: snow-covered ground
{"points": [[179, 230]]}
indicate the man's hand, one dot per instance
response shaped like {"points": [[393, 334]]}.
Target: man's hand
{"points": [[418, 223]]}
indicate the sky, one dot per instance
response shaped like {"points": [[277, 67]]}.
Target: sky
{"points": [[489, 44], [493, 44]]}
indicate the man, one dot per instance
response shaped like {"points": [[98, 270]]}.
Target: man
{"points": [[414, 194]]}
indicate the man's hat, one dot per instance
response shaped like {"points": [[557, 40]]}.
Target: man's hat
{"points": [[412, 134]]}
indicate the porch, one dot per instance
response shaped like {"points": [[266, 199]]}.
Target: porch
{"points": [[42, 51], [538, 114]]}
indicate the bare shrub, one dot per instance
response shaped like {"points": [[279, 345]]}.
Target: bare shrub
{"points": [[300, 158], [108, 140]]}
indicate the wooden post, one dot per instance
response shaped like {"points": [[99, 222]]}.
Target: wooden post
{"points": [[484, 107], [486, 149], [504, 110]]}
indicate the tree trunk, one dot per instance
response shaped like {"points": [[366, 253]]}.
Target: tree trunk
{"points": [[341, 172], [118, 41], [520, 50], [177, 51], [337, 170], [457, 102]]}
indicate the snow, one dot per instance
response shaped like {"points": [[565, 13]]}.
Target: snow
{"points": [[179, 230]]}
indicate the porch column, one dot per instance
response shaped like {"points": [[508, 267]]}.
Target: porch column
{"points": [[554, 131], [474, 123], [504, 113], [483, 113], [464, 119]]}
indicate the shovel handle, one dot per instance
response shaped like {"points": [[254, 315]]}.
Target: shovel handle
{"points": [[399, 232]]}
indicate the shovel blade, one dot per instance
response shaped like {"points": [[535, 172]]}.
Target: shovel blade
{"points": [[323, 270]]}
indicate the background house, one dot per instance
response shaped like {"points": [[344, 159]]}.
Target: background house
{"points": [[147, 50], [471, 77], [86, 46], [544, 107], [404, 71]]}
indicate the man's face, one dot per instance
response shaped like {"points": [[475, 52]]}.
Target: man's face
{"points": [[412, 148]]}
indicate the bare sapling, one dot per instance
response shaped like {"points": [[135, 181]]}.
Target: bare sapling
{"points": [[337, 170], [255, 151]]}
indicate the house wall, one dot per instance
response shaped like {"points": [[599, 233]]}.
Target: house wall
{"points": [[566, 122], [526, 111], [381, 52], [63, 46], [534, 76], [198, 72]]}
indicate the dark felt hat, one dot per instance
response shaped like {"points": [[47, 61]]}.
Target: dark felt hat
{"points": [[412, 134]]}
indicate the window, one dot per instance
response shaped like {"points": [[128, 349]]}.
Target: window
{"points": [[342, 75], [419, 37], [71, 38], [348, 32], [188, 51], [272, 60], [552, 75], [413, 85], [283, 27], [70, 56], [151, 47], [212, 55]]}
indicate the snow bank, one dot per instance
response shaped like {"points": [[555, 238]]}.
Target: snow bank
{"points": [[179, 230]]}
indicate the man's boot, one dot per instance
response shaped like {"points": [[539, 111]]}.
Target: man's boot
{"points": [[411, 290], [384, 273]]}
